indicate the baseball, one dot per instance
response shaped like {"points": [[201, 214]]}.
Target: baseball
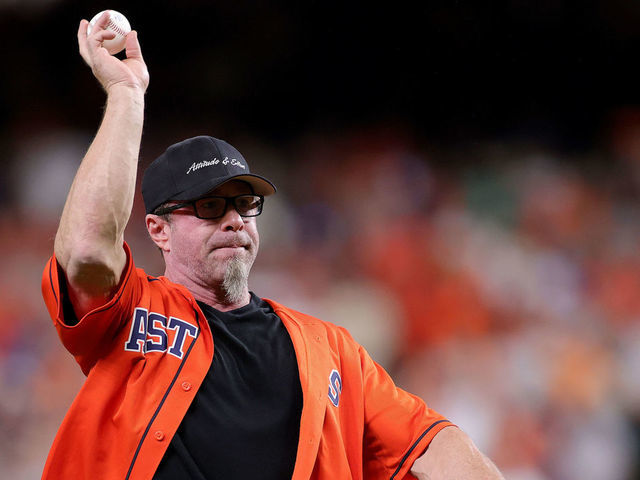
{"points": [[118, 24]]}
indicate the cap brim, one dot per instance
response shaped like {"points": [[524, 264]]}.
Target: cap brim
{"points": [[260, 185]]}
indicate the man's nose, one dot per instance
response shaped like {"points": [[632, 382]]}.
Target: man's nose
{"points": [[232, 220]]}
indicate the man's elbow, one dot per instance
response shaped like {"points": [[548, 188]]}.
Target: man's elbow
{"points": [[90, 268], [453, 455]]}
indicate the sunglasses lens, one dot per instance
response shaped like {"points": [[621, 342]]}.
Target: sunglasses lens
{"points": [[248, 205], [215, 207]]}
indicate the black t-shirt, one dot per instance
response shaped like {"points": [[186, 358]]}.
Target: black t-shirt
{"points": [[245, 419]]}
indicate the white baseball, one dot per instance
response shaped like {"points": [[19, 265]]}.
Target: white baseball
{"points": [[118, 24]]}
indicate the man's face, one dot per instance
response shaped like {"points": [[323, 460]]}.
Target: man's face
{"points": [[205, 250]]}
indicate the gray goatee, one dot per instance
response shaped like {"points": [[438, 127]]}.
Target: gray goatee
{"points": [[236, 280]]}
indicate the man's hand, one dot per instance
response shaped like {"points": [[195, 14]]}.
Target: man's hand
{"points": [[110, 71]]}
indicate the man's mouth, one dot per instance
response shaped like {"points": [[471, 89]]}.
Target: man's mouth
{"points": [[231, 247]]}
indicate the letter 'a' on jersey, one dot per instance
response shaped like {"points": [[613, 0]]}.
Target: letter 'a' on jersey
{"points": [[146, 352]]}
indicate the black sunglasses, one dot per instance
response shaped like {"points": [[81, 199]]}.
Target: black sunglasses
{"points": [[215, 206]]}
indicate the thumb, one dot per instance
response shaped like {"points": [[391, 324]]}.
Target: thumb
{"points": [[132, 46]]}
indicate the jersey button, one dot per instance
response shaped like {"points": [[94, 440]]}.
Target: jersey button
{"points": [[186, 386], [159, 435]]}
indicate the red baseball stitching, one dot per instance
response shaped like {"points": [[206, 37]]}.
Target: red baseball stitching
{"points": [[116, 28]]}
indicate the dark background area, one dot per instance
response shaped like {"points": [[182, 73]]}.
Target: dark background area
{"points": [[453, 72]]}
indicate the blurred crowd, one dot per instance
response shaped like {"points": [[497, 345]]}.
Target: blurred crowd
{"points": [[499, 281]]}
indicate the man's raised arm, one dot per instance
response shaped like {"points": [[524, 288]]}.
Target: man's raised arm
{"points": [[89, 240]]}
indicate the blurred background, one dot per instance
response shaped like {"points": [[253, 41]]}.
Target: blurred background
{"points": [[459, 185]]}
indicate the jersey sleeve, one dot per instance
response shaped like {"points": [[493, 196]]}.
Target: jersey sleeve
{"points": [[398, 425], [91, 336]]}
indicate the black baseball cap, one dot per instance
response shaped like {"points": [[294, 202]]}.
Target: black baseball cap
{"points": [[189, 169]]}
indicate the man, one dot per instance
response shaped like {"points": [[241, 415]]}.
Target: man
{"points": [[190, 375]]}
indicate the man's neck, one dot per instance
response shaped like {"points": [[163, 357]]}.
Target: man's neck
{"points": [[213, 296], [213, 301]]}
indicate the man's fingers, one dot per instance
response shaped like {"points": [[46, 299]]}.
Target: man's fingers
{"points": [[82, 29], [101, 22], [132, 46], [89, 44], [82, 40], [102, 35], [94, 41]]}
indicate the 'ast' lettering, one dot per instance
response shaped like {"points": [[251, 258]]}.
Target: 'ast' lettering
{"points": [[149, 333]]}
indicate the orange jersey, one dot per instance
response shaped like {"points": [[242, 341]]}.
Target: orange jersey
{"points": [[146, 352]]}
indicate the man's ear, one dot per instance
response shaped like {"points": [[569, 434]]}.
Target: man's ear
{"points": [[160, 232]]}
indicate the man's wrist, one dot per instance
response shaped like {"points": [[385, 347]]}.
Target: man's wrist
{"points": [[125, 91], [128, 94]]}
